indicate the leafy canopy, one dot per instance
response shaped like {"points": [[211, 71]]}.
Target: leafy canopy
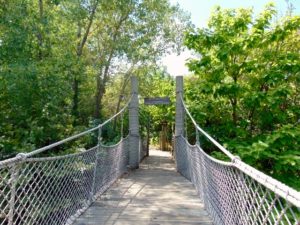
{"points": [[246, 86]]}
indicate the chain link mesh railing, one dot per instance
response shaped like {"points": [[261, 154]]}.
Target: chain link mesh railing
{"points": [[235, 193], [56, 190]]}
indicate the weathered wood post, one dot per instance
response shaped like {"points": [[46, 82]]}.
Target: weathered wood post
{"points": [[134, 137], [180, 151]]}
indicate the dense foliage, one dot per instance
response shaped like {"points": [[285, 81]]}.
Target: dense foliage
{"points": [[58, 56], [65, 65], [245, 90]]}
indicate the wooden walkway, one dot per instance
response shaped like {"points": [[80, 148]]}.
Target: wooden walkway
{"points": [[154, 194]]}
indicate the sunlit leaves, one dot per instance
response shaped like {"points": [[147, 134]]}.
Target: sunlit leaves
{"points": [[248, 87]]}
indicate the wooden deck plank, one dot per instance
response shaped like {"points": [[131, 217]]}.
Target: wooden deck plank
{"points": [[154, 194]]}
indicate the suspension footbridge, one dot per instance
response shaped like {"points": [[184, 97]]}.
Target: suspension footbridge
{"points": [[153, 194], [107, 184]]}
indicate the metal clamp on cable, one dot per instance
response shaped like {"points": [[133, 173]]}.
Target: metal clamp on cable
{"points": [[235, 159]]}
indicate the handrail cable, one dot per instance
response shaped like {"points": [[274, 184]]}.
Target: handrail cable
{"points": [[22, 156], [279, 188], [224, 150]]}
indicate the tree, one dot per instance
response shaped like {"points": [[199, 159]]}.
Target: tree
{"points": [[248, 81], [83, 31], [37, 58], [154, 82], [57, 58], [133, 34]]}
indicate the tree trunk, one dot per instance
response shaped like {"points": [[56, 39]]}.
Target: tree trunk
{"points": [[101, 85], [121, 94], [98, 97], [234, 113], [40, 35], [251, 119], [80, 45], [234, 103], [75, 97], [100, 91], [122, 91]]}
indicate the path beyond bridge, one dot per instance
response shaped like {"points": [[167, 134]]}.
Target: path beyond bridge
{"points": [[154, 194]]}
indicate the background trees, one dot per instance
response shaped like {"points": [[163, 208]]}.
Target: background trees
{"points": [[246, 87], [57, 57]]}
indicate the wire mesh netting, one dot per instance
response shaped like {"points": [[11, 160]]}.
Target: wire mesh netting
{"points": [[53, 190], [231, 195], [234, 192]]}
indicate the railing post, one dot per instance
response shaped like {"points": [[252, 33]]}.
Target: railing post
{"points": [[134, 137]]}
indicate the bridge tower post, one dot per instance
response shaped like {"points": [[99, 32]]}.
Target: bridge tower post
{"points": [[134, 137], [179, 116], [181, 157]]}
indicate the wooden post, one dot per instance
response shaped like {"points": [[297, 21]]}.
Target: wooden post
{"points": [[134, 137]]}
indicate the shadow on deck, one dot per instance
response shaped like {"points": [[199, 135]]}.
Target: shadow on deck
{"points": [[154, 194]]}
